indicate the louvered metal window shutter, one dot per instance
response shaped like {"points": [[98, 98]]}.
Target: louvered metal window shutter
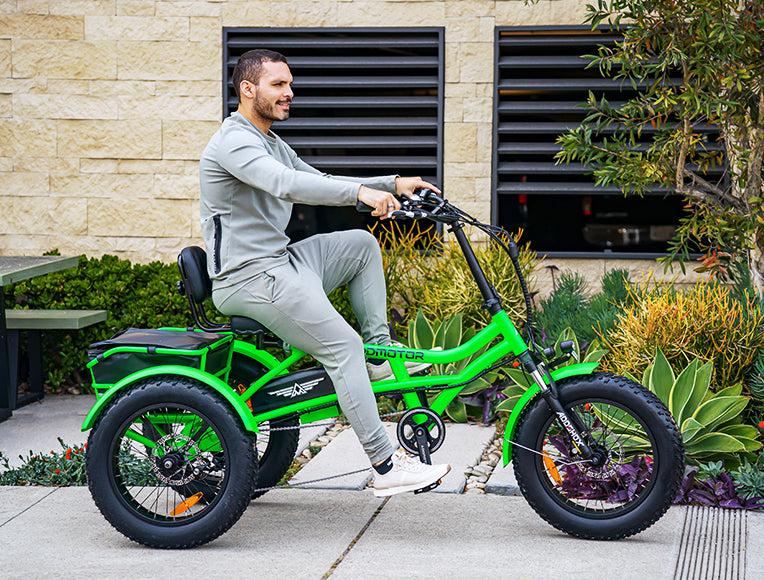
{"points": [[368, 101], [540, 80]]}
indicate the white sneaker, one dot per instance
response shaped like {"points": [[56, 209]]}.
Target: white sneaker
{"points": [[407, 474], [383, 371]]}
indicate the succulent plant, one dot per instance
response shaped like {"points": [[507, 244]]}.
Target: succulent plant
{"points": [[711, 423]]}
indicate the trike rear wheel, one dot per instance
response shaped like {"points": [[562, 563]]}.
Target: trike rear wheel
{"points": [[633, 476], [184, 487]]}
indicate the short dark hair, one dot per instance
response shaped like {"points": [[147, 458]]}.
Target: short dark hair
{"points": [[249, 67]]}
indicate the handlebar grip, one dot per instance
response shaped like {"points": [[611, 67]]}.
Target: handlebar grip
{"points": [[429, 195], [361, 207]]}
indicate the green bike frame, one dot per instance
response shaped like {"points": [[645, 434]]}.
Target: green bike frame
{"points": [[510, 344], [499, 342]]}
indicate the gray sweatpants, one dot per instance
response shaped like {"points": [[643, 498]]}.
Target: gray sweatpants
{"points": [[291, 301]]}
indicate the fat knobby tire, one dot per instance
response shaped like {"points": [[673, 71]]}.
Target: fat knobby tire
{"points": [[668, 457], [241, 465]]}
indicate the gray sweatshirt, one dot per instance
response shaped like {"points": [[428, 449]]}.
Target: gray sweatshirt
{"points": [[249, 181]]}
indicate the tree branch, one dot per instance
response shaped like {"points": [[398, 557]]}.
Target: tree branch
{"points": [[716, 195]]}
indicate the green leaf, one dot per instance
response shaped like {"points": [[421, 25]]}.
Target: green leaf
{"points": [[740, 429], [682, 391], [451, 335], [508, 404], [718, 410], [661, 379], [424, 336], [519, 377], [690, 428], [457, 411], [733, 391], [700, 389], [594, 354], [713, 443], [475, 386], [750, 443]]}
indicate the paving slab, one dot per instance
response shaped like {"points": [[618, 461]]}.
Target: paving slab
{"points": [[754, 553], [502, 480], [15, 500], [343, 455], [462, 448], [37, 426], [489, 536], [291, 534]]}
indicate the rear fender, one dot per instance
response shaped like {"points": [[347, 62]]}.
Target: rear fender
{"points": [[178, 370]]}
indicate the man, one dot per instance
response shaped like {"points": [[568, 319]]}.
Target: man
{"points": [[249, 180]]}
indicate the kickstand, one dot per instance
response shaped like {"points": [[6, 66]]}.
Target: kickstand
{"points": [[422, 444]]}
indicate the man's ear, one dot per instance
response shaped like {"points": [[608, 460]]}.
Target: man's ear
{"points": [[247, 89]]}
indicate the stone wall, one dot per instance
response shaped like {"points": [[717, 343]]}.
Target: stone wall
{"points": [[106, 105]]}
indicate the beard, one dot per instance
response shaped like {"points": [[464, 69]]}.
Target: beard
{"points": [[267, 110]]}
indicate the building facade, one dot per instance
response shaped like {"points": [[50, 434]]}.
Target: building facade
{"points": [[106, 105]]}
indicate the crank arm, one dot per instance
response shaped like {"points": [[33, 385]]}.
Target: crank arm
{"points": [[423, 446]]}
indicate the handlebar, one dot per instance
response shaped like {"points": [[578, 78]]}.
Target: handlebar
{"points": [[412, 207], [426, 204]]}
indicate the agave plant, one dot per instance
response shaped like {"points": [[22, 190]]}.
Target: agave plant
{"points": [[711, 423], [522, 380], [446, 334]]}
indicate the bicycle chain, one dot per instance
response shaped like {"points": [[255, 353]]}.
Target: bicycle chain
{"points": [[306, 483], [336, 422]]}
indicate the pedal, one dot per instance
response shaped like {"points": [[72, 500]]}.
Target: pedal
{"points": [[428, 488]]}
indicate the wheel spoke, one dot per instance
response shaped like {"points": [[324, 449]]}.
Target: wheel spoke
{"points": [[614, 478], [169, 462]]}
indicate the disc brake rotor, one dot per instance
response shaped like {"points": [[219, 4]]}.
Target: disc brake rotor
{"points": [[172, 459], [611, 456]]}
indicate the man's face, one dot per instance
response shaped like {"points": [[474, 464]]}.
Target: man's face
{"points": [[273, 93]]}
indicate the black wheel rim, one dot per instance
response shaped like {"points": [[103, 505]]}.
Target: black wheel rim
{"points": [[622, 473], [169, 464]]}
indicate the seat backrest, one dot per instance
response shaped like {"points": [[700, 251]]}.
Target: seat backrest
{"points": [[192, 263]]}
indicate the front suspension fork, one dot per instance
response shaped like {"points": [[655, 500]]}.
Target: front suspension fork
{"points": [[570, 422]]}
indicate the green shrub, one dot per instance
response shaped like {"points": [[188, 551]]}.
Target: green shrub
{"points": [[704, 322], [134, 295], [138, 296], [62, 468], [571, 306], [424, 272], [749, 480], [754, 382]]}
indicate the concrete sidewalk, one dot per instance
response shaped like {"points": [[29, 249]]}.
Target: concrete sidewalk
{"points": [[59, 533]]}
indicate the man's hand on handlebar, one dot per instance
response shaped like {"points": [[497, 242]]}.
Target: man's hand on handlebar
{"points": [[382, 202], [408, 185]]}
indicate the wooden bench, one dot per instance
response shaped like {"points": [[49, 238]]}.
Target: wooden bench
{"points": [[34, 322]]}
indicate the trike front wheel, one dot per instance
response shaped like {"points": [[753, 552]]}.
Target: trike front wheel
{"points": [[635, 471], [184, 486]]}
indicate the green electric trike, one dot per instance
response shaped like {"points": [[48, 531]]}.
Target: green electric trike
{"points": [[192, 424]]}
